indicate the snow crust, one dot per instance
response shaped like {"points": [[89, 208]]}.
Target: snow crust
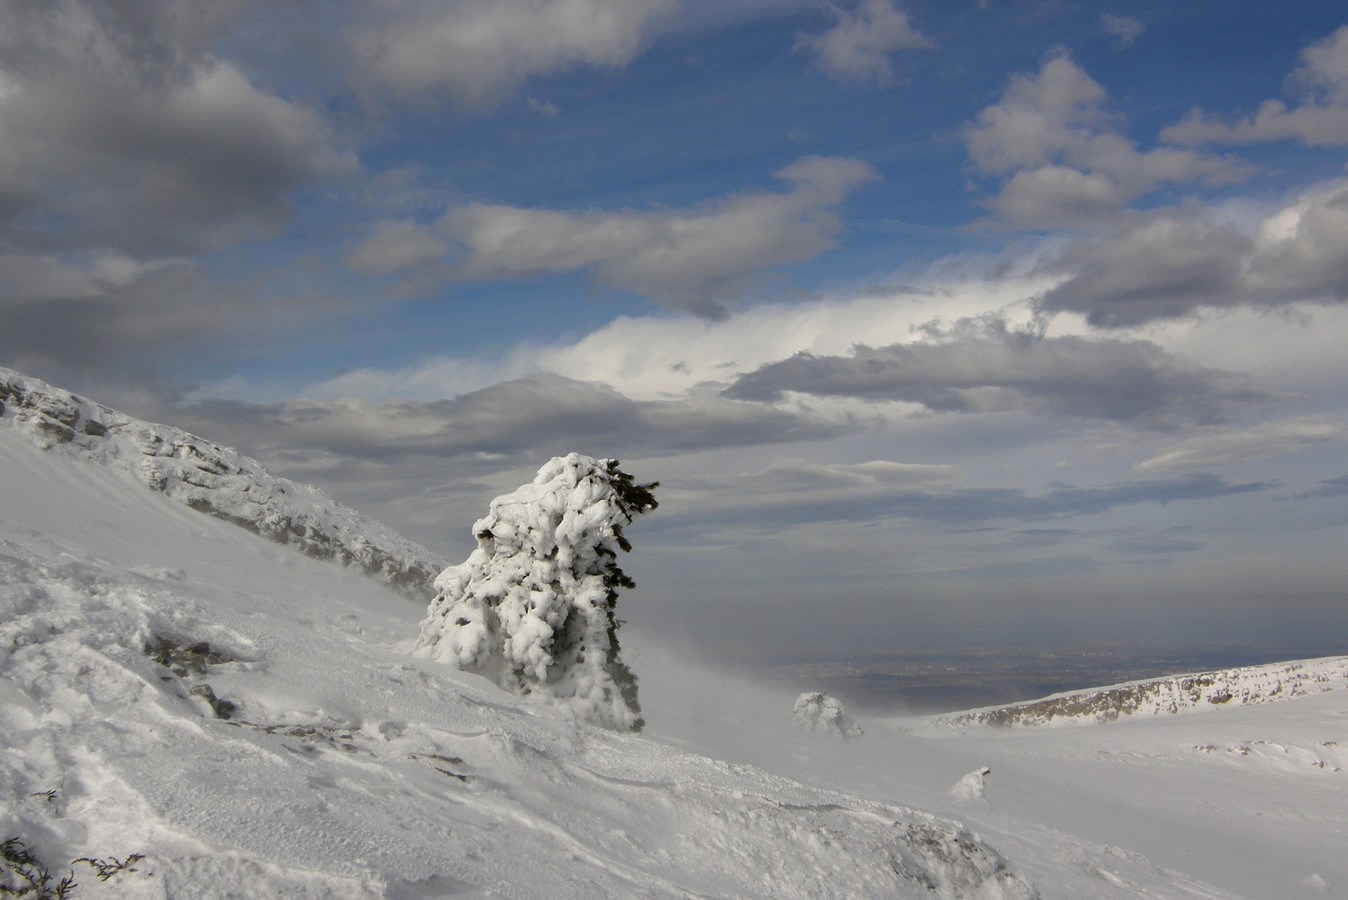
{"points": [[347, 769], [214, 480]]}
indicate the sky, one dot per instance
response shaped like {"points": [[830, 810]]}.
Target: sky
{"points": [[940, 324]]}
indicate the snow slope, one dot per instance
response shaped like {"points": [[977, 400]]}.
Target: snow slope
{"points": [[129, 623], [1230, 801], [215, 480]]}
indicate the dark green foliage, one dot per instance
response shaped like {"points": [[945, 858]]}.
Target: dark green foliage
{"points": [[634, 499]]}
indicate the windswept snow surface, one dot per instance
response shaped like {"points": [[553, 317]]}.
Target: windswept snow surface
{"points": [[1226, 800], [347, 768]]}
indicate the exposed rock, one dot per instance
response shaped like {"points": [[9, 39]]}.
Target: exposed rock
{"points": [[223, 709]]}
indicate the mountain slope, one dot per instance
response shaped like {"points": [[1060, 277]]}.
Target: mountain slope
{"points": [[214, 480], [249, 720]]}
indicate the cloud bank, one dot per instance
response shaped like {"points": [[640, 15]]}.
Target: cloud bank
{"points": [[691, 259], [986, 367]]}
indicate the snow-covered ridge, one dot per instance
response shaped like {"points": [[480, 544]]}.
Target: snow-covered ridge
{"points": [[1172, 695], [215, 480]]}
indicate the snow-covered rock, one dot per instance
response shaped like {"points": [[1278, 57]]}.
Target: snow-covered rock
{"points": [[214, 480], [533, 607], [817, 711], [1171, 695]]}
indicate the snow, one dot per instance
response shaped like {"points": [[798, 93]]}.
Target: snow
{"points": [[349, 768]]}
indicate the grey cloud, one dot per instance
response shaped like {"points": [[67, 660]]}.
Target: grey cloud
{"points": [[1066, 162], [125, 133], [128, 147], [1170, 263], [512, 420], [395, 246], [1319, 120], [691, 259], [1162, 269], [858, 46], [1057, 196], [819, 493], [477, 51], [1333, 487], [988, 369], [1155, 545], [1224, 446], [74, 321], [158, 37]]}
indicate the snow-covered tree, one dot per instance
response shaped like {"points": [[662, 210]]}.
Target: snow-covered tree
{"points": [[817, 711], [533, 607]]}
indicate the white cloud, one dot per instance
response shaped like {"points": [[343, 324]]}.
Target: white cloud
{"points": [[1219, 447], [858, 46], [691, 259], [1125, 30], [477, 51], [1066, 161], [658, 357], [1319, 120], [545, 108]]}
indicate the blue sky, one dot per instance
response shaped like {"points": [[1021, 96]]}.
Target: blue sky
{"points": [[939, 323]]}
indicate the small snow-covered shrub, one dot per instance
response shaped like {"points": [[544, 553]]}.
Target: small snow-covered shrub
{"points": [[817, 711], [970, 787], [533, 607]]}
